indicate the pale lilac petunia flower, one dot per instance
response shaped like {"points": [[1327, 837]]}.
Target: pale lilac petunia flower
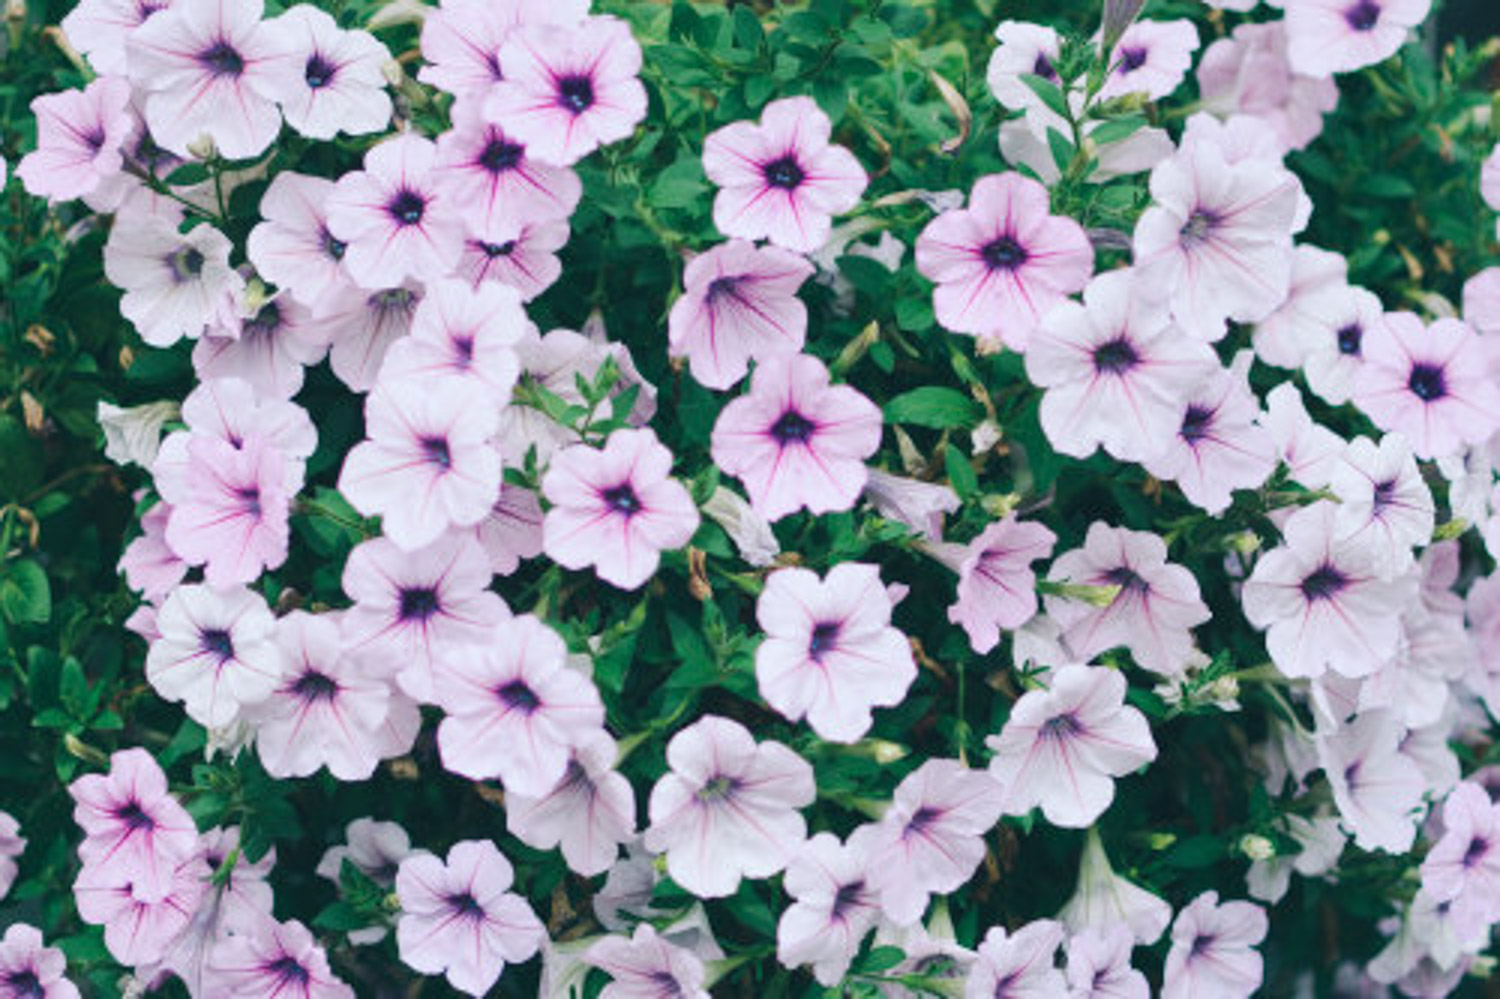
{"points": [[589, 813], [462, 39], [333, 79], [273, 960], [229, 410], [1062, 747], [395, 219], [1213, 950], [1336, 36], [795, 440], [132, 823], [31, 970], [1310, 451], [1151, 57], [1481, 303], [149, 564], [216, 654], [1431, 383], [79, 138], [293, 247], [1306, 321], [617, 508], [515, 709], [1104, 900], [176, 284], [647, 966], [1324, 602], [996, 585], [427, 463], [1376, 786], [830, 653], [728, 807], [1116, 371], [918, 505], [1153, 614], [781, 179], [360, 328], [739, 303], [1335, 347], [1019, 965], [1099, 965], [1001, 263], [139, 930], [100, 29], [526, 259], [271, 349], [460, 918], [834, 907], [512, 531], [233, 518], [1463, 866], [1025, 49], [1384, 503], [464, 333], [209, 68], [569, 90], [1249, 72]]}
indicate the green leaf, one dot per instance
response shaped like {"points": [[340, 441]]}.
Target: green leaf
{"points": [[1117, 129], [25, 596], [748, 33], [681, 185], [1050, 93], [960, 473], [935, 407], [881, 959]]}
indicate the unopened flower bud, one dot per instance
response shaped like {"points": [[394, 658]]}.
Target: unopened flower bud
{"points": [[1225, 688], [1257, 847], [1245, 542], [203, 147]]}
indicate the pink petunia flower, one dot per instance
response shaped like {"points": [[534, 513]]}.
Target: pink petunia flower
{"points": [[795, 441], [512, 531], [209, 68], [1116, 371], [1219, 446], [780, 179], [835, 906], [216, 654], [149, 565], [395, 219], [918, 505], [462, 39], [412, 608], [176, 284], [293, 247], [1336, 36], [30, 969], [1304, 322], [1310, 451], [617, 508], [830, 653], [1001, 263], [515, 710], [340, 86], [79, 138], [1025, 49], [460, 918], [270, 349], [931, 839], [1463, 866], [273, 960], [1217, 242], [1019, 965], [1376, 786], [1481, 302], [727, 808], [569, 90], [739, 304], [996, 586], [426, 464], [589, 813], [1151, 57], [1213, 950], [1431, 383], [646, 966], [360, 329], [464, 333], [1384, 503], [138, 930], [326, 711], [1154, 612], [100, 29], [228, 410], [1249, 72], [132, 823], [1062, 747], [1104, 900], [1335, 343], [491, 174], [526, 259], [1099, 966], [233, 519]]}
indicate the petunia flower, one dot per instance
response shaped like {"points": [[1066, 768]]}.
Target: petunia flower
{"points": [[1376, 786], [835, 906], [569, 90], [271, 349], [781, 179], [1315, 306], [1384, 503], [1025, 49], [395, 219], [1310, 451], [525, 259], [512, 531], [1104, 900], [228, 410], [795, 441], [1154, 612], [216, 653], [462, 39], [1336, 36], [30, 969], [139, 930], [1320, 842], [176, 284], [1213, 950], [459, 918], [1150, 58], [1323, 602], [996, 585], [293, 247], [1116, 372], [918, 505], [100, 30], [931, 840], [1099, 965], [515, 710], [333, 79], [209, 68], [1250, 72], [1463, 866], [589, 812], [1481, 302], [12, 845], [274, 960], [465, 335], [830, 653], [149, 564], [426, 464], [360, 328], [1432, 384], [1019, 965], [739, 303], [728, 807], [133, 824], [80, 134], [647, 966], [616, 509], [1001, 263], [233, 519], [1063, 746]]}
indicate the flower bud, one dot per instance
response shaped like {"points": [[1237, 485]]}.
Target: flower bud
{"points": [[1257, 847]]}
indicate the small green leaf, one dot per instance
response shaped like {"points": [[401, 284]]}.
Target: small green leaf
{"points": [[1050, 93], [25, 596], [935, 407], [960, 473]]}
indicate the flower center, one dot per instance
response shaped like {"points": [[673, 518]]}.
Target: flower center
{"points": [[1350, 337], [792, 428], [1385, 493], [784, 173], [418, 603], [1196, 423], [1064, 726], [134, 816], [493, 250], [318, 72], [1478, 847], [25, 985], [1323, 583], [622, 500], [1043, 67], [1132, 59], [407, 207], [315, 686], [1115, 357], [217, 643], [1196, 229], [220, 59], [722, 287], [435, 450], [1003, 254], [1427, 382], [718, 788], [847, 897], [333, 247], [94, 139], [922, 820], [575, 93], [1363, 16], [465, 905], [1201, 943], [1127, 579], [185, 263], [288, 971], [824, 636], [499, 155], [249, 497], [517, 695]]}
